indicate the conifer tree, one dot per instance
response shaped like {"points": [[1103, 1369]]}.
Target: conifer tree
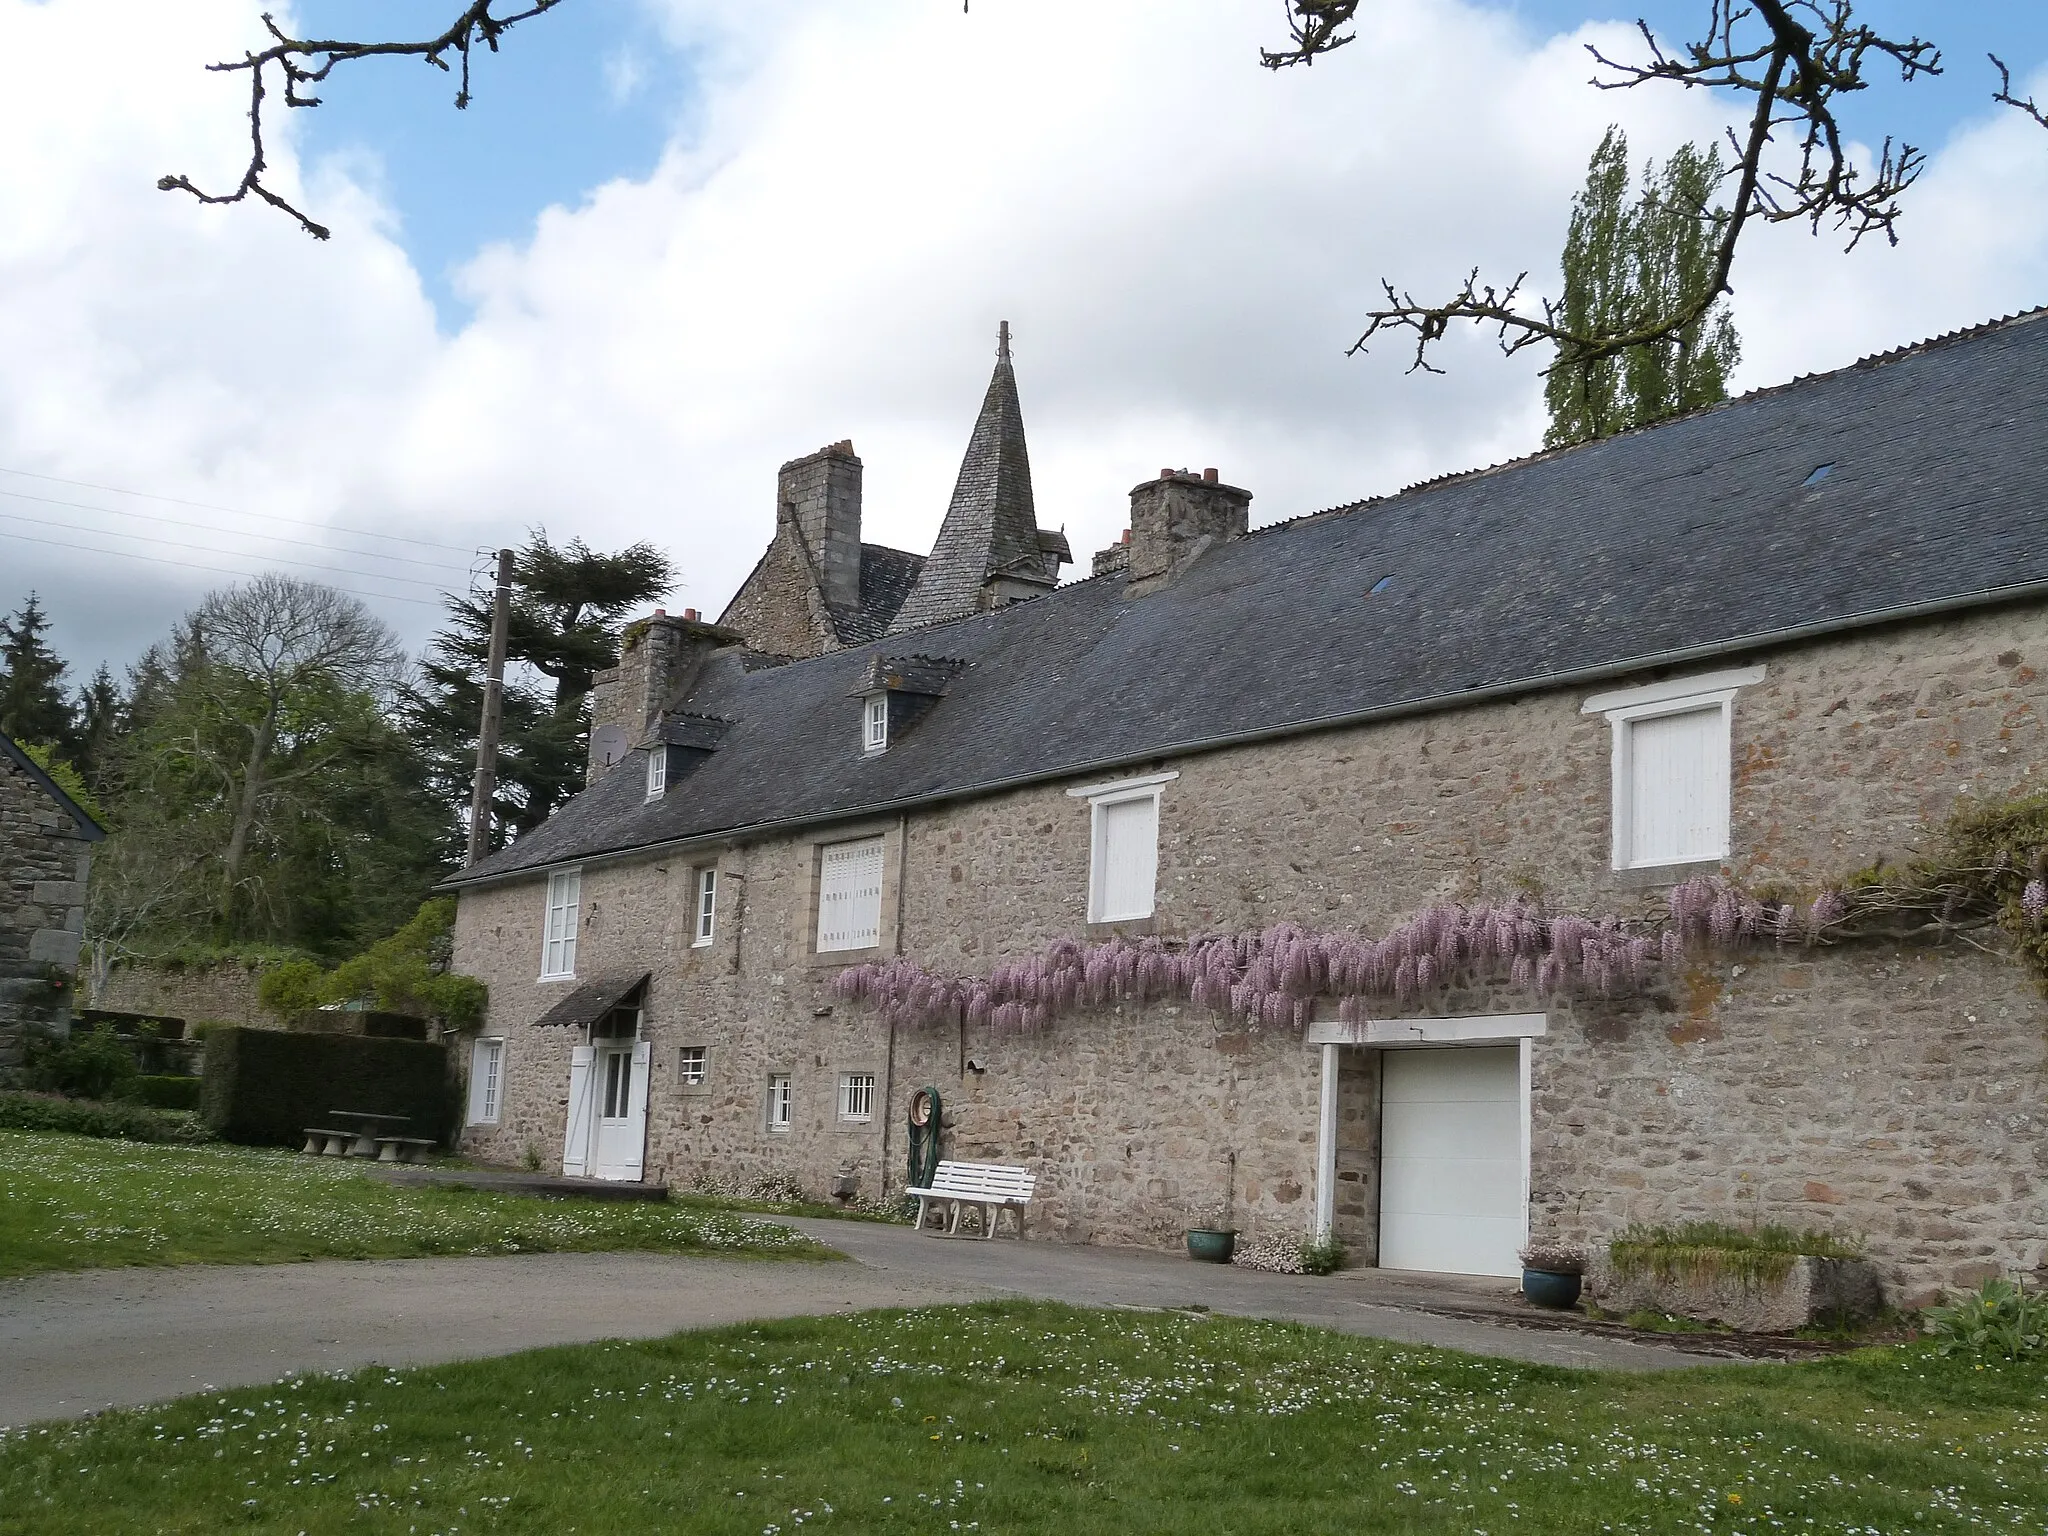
{"points": [[1625, 263], [32, 703]]}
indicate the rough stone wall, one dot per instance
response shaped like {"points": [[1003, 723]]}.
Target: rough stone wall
{"points": [[821, 494], [779, 608], [226, 991], [1893, 1093], [43, 868]]}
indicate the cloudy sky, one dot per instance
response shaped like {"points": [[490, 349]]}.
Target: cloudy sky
{"points": [[671, 247]]}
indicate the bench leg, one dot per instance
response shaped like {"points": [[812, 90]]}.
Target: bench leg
{"points": [[314, 1144], [389, 1152], [337, 1146], [989, 1213]]}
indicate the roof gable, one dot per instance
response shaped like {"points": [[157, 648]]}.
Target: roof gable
{"points": [[88, 827]]}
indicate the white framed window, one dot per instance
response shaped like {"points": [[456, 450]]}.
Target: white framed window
{"points": [[558, 932], [1672, 756], [857, 1097], [779, 1104], [690, 1065], [1123, 846], [875, 724], [657, 772], [850, 895], [705, 921], [486, 1081]]}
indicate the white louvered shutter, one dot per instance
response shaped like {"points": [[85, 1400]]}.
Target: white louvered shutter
{"points": [[1129, 855], [558, 943], [1678, 787], [576, 1142], [636, 1112], [850, 896], [486, 1064]]}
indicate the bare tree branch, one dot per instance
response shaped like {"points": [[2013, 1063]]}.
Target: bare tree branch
{"points": [[304, 62], [1314, 25], [2006, 98], [1795, 71]]}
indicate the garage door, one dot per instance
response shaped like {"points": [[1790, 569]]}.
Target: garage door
{"points": [[1451, 1161]]}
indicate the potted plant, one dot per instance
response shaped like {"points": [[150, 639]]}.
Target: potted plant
{"points": [[1211, 1238], [1552, 1274]]}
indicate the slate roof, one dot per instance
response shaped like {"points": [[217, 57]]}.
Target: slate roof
{"points": [[992, 522], [886, 578], [1662, 545]]}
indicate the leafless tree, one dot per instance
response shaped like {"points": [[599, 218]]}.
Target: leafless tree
{"points": [[281, 656], [1793, 59], [301, 62]]}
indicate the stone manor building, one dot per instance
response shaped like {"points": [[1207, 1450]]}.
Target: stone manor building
{"points": [[46, 841], [1315, 877]]}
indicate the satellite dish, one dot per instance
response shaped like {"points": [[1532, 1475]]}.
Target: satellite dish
{"points": [[608, 745]]}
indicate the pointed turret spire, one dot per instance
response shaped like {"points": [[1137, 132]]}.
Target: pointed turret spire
{"points": [[989, 550]]}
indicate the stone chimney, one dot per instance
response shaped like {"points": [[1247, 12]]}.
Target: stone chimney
{"points": [[1115, 558], [1177, 517], [820, 494], [658, 662]]}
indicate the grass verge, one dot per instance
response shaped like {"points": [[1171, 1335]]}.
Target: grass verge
{"points": [[1025, 1417], [73, 1202]]}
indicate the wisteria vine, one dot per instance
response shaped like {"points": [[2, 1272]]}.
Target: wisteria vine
{"points": [[1272, 979]]}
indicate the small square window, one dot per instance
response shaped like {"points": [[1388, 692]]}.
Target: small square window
{"points": [[857, 1096], [706, 917], [657, 772], [690, 1066], [778, 1101], [875, 735]]}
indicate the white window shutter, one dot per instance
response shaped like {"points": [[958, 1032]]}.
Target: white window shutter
{"points": [[850, 896], [636, 1110], [1129, 854], [1678, 787], [576, 1143]]}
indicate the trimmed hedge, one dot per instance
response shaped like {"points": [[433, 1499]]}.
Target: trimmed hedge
{"points": [[88, 1117], [167, 1092], [264, 1087]]}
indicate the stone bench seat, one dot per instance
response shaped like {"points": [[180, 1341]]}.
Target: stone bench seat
{"points": [[331, 1143], [404, 1149]]}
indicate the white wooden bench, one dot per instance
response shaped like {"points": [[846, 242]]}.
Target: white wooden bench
{"points": [[992, 1187]]}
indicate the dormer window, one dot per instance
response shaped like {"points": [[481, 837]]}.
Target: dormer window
{"points": [[875, 723], [657, 772]]}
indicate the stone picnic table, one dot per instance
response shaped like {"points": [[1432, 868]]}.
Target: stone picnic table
{"points": [[360, 1136]]}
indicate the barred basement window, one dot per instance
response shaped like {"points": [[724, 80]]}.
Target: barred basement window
{"points": [[778, 1102], [690, 1066], [857, 1096]]}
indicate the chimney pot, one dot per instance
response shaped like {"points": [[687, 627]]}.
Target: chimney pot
{"points": [[661, 613], [1166, 474], [690, 614], [1209, 475], [1127, 536]]}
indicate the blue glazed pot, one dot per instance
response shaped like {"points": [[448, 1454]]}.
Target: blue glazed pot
{"points": [[1211, 1246], [1559, 1292]]}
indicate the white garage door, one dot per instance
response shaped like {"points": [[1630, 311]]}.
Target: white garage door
{"points": [[1451, 1161]]}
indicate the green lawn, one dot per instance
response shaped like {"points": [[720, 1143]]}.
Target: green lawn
{"points": [[76, 1202], [1024, 1417]]}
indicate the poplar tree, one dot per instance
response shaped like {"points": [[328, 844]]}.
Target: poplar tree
{"points": [[1627, 261]]}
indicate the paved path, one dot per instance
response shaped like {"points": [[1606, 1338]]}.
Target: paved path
{"points": [[74, 1343]]}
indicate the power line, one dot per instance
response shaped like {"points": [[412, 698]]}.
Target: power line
{"points": [[180, 522], [222, 570], [215, 549], [210, 506]]}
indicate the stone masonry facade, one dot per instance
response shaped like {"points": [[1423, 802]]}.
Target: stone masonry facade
{"points": [[44, 860], [1892, 1092]]}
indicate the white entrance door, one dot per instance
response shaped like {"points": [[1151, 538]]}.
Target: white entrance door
{"points": [[1451, 1177], [618, 1080]]}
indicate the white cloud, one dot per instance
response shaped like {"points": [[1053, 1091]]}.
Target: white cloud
{"points": [[1185, 244]]}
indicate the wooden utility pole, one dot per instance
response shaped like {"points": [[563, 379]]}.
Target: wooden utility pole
{"points": [[484, 794]]}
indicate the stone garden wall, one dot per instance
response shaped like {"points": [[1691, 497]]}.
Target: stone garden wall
{"points": [[224, 991], [1895, 1093]]}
